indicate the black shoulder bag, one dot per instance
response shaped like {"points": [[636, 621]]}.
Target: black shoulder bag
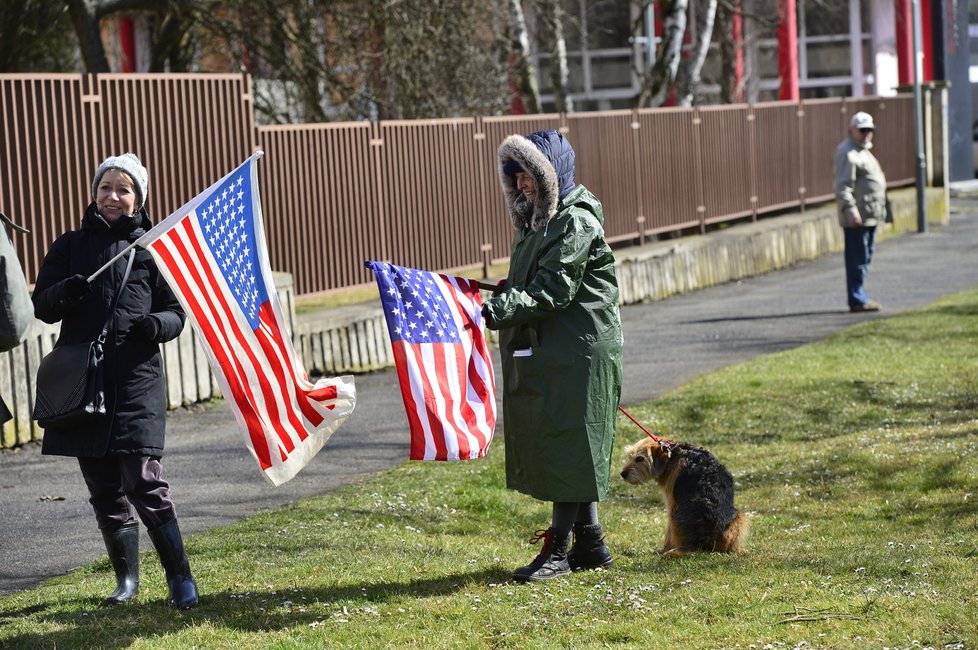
{"points": [[70, 387]]}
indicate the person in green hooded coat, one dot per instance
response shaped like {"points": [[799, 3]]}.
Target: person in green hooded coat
{"points": [[561, 349]]}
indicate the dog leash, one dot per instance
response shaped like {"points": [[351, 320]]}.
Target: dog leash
{"points": [[647, 432]]}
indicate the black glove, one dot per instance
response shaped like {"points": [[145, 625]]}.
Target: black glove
{"points": [[77, 286], [148, 328]]}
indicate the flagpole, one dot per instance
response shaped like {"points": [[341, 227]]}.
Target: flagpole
{"points": [[109, 263]]}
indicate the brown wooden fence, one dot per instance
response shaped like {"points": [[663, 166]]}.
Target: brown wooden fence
{"points": [[421, 193]]}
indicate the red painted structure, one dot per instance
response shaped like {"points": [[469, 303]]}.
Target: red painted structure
{"points": [[127, 45], [737, 36], [788, 44], [788, 50]]}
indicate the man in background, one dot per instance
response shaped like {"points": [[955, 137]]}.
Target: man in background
{"points": [[860, 191]]}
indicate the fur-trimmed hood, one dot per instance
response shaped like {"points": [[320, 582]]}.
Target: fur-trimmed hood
{"points": [[548, 157]]}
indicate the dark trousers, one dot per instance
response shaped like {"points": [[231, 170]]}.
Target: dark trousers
{"points": [[119, 484]]}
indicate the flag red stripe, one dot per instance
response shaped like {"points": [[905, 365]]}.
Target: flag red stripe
{"points": [[465, 407], [440, 427], [255, 431], [275, 366], [401, 363], [275, 338]]}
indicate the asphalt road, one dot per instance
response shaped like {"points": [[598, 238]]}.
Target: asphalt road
{"points": [[48, 528]]}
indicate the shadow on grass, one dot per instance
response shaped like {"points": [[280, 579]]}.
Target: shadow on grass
{"points": [[90, 625]]}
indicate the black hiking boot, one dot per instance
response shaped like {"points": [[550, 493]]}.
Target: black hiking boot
{"points": [[589, 550], [552, 560]]}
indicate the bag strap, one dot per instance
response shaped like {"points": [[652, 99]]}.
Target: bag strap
{"points": [[115, 301]]}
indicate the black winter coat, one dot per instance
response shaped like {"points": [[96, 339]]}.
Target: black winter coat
{"points": [[135, 388]]}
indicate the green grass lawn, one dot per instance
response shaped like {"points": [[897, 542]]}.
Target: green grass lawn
{"points": [[855, 456]]}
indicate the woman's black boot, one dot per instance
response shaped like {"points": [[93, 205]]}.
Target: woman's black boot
{"points": [[589, 550], [122, 545], [169, 546], [552, 560]]}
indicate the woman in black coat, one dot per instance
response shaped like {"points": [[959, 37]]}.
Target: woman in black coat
{"points": [[119, 453]]}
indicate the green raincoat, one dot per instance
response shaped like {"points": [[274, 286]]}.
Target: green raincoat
{"points": [[560, 332]]}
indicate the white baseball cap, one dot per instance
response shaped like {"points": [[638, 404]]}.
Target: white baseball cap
{"points": [[862, 121]]}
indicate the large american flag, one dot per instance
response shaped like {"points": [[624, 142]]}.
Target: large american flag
{"points": [[444, 366], [212, 252]]}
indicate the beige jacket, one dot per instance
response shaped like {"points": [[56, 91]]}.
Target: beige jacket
{"points": [[859, 183]]}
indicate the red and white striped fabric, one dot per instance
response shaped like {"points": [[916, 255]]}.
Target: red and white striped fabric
{"points": [[212, 252], [444, 366]]}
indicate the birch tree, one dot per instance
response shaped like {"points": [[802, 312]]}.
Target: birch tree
{"points": [[552, 16], [660, 78], [692, 66], [524, 76]]}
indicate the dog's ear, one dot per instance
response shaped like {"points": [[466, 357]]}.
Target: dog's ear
{"points": [[660, 460]]}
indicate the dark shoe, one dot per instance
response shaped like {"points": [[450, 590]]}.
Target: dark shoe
{"points": [[122, 545], [169, 546], [552, 560], [869, 305], [589, 550]]}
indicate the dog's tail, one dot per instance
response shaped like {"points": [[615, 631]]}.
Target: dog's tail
{"points": [[735, 536]]}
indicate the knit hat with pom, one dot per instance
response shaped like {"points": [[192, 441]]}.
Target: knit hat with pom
{"points": [[130, 164]]}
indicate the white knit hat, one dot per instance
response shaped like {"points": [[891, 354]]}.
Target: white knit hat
{"points": [[128, 163]]}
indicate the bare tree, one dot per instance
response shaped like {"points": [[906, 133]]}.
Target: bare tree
{"points": [[691, 69], [659, 79], [552, 16], [522, 66], [85, 17], [312, 60], [730, 90], [35, 36]]}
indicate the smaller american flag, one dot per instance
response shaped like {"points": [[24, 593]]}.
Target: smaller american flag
{"points": [[444, 366]]}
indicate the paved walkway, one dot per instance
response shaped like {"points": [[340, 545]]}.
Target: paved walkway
{"points": [[48, 527]]}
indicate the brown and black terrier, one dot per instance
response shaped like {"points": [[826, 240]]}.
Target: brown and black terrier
{"points": [[699, 493]]}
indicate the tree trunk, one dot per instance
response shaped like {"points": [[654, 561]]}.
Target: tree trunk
{"points": [[89, 36], [660, 79], [552, 16], [729, 12], [693, 66], [522, 67]]}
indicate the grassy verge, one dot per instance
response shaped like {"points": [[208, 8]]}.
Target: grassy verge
{"points": [[856, 458]]}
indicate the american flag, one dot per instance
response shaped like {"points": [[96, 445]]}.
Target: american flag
{"points": [[212, 252], [444, 366]]}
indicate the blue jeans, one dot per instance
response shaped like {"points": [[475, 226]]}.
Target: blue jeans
{"points": [[860, 242]]}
